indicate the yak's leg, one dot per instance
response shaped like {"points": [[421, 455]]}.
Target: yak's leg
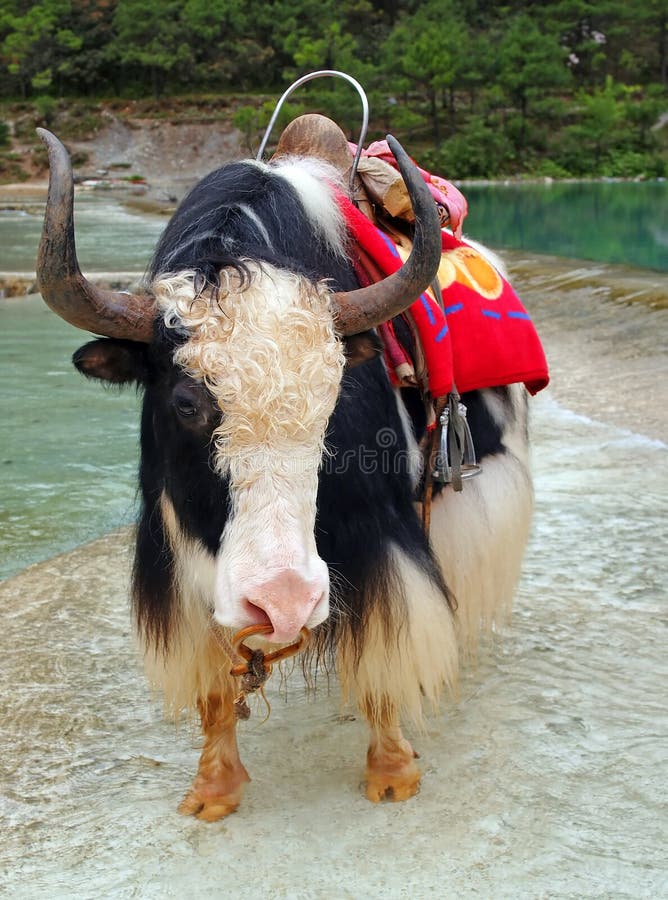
{"points": [[391, 770], [221, 777], [408, 655]]}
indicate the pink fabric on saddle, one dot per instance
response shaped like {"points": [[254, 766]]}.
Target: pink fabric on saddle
{"points": [[443, 192]]}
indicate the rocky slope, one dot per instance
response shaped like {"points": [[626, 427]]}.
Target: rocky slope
{"points": [[167, 146]]}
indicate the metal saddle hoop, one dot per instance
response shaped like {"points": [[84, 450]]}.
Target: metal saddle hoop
{"points": [[311, 76]]}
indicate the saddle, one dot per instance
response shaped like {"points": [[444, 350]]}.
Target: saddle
{"points": [[317, 136]]}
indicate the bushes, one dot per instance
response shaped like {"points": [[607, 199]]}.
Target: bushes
{"points": [[614, 136], [632, 164], [11, 168], [480, 149], [609, 133]]}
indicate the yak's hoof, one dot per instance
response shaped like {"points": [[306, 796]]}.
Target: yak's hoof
{"points": [[392, 786], [210, 801], [208, 809]]}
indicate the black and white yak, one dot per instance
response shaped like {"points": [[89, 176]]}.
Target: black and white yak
{"points": [[271, 492]]}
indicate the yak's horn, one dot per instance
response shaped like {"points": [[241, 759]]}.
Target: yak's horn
{"points": [[359, 310], [111, 313]]}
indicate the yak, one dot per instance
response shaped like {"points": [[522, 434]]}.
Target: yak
{"points": [[280, 468]]}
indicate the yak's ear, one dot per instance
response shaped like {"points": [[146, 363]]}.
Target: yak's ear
{"points": [[360, 348], [113, 360]]}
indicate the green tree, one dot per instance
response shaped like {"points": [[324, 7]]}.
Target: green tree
{"points": [[531, 63], [652, 44], [625, 39], [150, 37], [91, 68], [36, 43], [326, 34], [586, 144], [230, 43], [602, 115], [429, 50]]}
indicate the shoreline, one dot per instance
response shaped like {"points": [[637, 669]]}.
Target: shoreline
{"points": [[40, 185], [619, 282], [19, 286]]}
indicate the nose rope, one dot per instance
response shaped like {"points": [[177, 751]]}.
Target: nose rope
{"points": [[257, 664]]}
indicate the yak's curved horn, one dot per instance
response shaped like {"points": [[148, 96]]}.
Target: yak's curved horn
{"points": [[359, 310], [111, 313]]}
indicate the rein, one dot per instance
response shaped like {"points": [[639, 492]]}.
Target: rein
{"points": [[257, 665]]}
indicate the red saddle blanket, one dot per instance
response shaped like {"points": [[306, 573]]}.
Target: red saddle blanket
{"points": [[482, 337]]}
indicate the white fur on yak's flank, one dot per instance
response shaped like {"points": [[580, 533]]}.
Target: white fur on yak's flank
{"points": [[404, 667], [479, 535]]}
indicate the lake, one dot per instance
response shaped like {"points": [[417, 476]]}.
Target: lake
{"points": [[614, 222]]}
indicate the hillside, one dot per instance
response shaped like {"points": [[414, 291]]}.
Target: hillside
{"points": [[163, 146]]}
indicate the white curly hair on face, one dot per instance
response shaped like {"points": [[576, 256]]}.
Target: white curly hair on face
{"points": [[267, 350]]}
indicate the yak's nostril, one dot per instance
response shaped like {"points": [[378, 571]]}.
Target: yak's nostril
{"points": [[255, 614]]}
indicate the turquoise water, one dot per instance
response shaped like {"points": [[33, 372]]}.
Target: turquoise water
{"points": [[620, 222], [110, 237], [69, 447]]}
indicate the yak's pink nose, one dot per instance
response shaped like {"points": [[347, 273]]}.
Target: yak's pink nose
{"points": [[287, 601]]}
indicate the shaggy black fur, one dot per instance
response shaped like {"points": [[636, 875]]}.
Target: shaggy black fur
{"points": [[211, 229]]}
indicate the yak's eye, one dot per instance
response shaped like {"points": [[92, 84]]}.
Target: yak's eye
{"points": [[185, 400], [193, 406], [185, 408]]}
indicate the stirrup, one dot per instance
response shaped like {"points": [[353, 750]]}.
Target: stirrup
{"points": [[456, 457]]}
